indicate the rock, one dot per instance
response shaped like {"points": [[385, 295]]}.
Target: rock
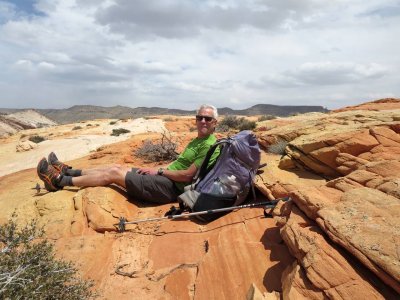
{"points": [[27, 145], [255, 294], [286, 163], [378, 105], [325, 265], [296, 285], [337, 239], [104, 206], [358, 223]]}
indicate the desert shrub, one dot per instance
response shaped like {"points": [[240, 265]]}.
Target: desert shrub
{"points": [[29, 269], [246, 124], [191, 129], [222, 128], [235, 123], [113, 122], [164, 150], [266, 118], [168, 119], [89, 125], [77, 128], [119, 131], [279, 147], [37, 139], [230, 122]]}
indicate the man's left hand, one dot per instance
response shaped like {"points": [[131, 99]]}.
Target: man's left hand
{"points": [[147, 171]]}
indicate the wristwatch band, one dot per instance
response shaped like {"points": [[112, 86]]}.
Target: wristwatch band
{"points": [[160, 171]]}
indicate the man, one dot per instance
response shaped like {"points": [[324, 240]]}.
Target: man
{"points": [[150, 184]]}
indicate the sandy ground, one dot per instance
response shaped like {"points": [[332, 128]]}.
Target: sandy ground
{"points": [[69, 144]]}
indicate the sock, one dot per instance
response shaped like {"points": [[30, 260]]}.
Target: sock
{"points": [[73, 172], [65, 181]]}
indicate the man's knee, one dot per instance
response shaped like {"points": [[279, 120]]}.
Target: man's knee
{"points": [[115, 174]]}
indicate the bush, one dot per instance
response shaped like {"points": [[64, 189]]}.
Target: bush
{"points": [[246, 125], [230, 122], [119, 131], [235, 123], [29, 270], [113, 122], [165, 150], [77, 128], [279, 147], [266, 118], [37, 139]]}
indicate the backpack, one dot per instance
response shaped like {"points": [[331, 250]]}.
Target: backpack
{"points": [[226, 183]]}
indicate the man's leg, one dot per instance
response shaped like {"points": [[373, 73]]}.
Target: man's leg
{"points": [[55, 180], [102, 176]]}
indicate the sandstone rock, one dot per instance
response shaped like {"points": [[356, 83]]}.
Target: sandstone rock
{"points": [[286, 163], [326, 266], [343, 184], [296, 285], [103, 207], [222, 259], [366, 222], [255, 294], [23, 146], [311, 199], [378, 105], [231, 241]]}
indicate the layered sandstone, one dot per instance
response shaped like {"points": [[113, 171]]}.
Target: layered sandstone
{"points": [[352, 222], [337, 239]]}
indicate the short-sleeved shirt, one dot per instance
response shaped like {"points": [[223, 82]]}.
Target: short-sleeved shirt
{"points": [[194, 152]]}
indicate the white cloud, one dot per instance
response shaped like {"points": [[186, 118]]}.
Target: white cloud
{"points": [[179, 53], [330, 73]]}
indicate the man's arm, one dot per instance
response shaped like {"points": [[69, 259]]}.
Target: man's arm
{"points": [[175, 175], [181, 175]]}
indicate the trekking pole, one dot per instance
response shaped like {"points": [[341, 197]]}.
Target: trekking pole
{"points": [[266, 204]]}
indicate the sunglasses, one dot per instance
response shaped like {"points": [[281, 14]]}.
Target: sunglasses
{"points": [[206, 118]]}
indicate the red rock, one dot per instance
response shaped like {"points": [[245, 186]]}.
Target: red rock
{"points": [[326, 266], [358, 222]]}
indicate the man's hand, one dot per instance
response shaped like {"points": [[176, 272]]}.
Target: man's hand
{"points": [[147, 171]]}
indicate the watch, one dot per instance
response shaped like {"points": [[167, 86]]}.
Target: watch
{"points": [[160, 171]]}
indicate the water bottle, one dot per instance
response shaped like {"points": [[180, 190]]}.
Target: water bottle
{"points": [[216, 188], [226, 186], [230, 186]]}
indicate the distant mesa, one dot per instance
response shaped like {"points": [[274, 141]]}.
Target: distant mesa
{"points": [[79, 113]]}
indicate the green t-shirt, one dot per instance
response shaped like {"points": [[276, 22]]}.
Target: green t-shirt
{"points": [[195, 152]]}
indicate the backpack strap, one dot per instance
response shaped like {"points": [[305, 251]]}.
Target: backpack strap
{"points": [[204, 168]]}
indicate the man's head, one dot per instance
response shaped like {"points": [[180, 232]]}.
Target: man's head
{"points": [[206, 120]]}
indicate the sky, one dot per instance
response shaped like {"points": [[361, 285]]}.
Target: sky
{"points": [[183, 53]]}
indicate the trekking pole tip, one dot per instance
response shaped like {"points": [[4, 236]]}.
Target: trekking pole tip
{"points": [[37, 188], [121, 224]]}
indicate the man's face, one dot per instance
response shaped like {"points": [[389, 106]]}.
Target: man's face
{"points": [[205, 122]]}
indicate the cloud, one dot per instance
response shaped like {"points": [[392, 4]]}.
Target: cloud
{"points": [[325, 73], [384, 11], [183, 19], [178, 53]]}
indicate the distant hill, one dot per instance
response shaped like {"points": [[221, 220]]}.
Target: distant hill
{"points": [[26, 119], [89, 112]]}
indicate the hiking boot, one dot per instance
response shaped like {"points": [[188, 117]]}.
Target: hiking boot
{"points": [[58, 165], [48, 175]]}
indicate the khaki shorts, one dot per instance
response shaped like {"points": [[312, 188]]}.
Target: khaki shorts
{"points": [[152, 188]]}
